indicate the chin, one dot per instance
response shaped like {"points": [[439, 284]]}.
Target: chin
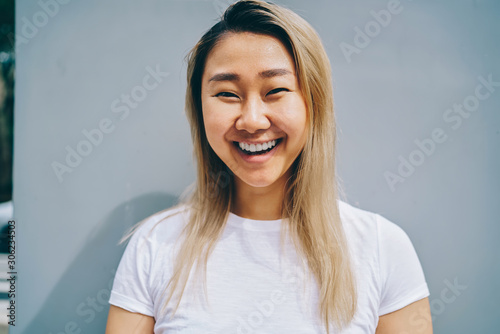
{"points": [[259, 184], [258, 181]]}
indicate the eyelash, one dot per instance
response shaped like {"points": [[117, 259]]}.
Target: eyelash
{"points": [[273, 91], [279, 90]]}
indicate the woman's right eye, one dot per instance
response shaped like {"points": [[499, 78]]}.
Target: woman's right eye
{"points": [[226, 94]]}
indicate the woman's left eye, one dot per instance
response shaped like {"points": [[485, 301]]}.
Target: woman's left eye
{"points": [[277, 90]]}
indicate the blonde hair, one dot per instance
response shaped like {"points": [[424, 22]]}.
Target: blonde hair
{"points": [[310, 201]]}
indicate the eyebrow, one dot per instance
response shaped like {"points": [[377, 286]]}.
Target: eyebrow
{"points": [[264, 74]]}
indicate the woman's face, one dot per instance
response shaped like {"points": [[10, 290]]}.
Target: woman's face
{"points": [[254, 113]]}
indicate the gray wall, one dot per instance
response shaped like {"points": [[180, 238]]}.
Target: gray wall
{"points": [[391, 91]]}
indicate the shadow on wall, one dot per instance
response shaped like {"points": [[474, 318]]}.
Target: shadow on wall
{"points": [[79, 302]]}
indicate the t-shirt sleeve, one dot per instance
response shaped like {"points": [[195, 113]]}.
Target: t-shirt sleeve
{"points": [[131, 289], [402, 279]]}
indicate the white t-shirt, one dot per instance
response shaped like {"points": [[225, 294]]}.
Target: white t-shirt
{"points": [[252, 289]]}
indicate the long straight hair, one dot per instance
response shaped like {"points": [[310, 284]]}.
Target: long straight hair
{"points": [[310, 201]]}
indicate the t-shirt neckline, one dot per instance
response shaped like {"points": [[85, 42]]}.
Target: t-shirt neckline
{"points": [[252, 224]]}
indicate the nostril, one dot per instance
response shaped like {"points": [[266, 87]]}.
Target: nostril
{"points": [[252, 122]]}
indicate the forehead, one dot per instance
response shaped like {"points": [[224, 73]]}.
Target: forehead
{"points": [[248, 52]]}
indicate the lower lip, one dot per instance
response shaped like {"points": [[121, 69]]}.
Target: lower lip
{"points": [[258, 158]]}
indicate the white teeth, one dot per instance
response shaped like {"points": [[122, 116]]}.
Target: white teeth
{"points": [[257, 147]]}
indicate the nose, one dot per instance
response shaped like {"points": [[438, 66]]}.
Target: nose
{"points": [[253, 116]]}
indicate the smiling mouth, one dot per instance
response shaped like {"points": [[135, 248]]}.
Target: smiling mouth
{"points": [[258, 149]]}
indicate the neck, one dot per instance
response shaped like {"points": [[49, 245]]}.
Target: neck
{"points": [[258, 203]]}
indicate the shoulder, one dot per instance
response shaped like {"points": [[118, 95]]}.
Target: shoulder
{"points": [[367, 225], [138, 268], [356, 218], [161, 226], [372, 236], [384, 258]]}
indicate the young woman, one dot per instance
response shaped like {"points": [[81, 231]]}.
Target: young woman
{"points": [[278, 251]]}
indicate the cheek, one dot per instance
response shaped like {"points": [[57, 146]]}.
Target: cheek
{"points": [[295, 121], [215, 126]]}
